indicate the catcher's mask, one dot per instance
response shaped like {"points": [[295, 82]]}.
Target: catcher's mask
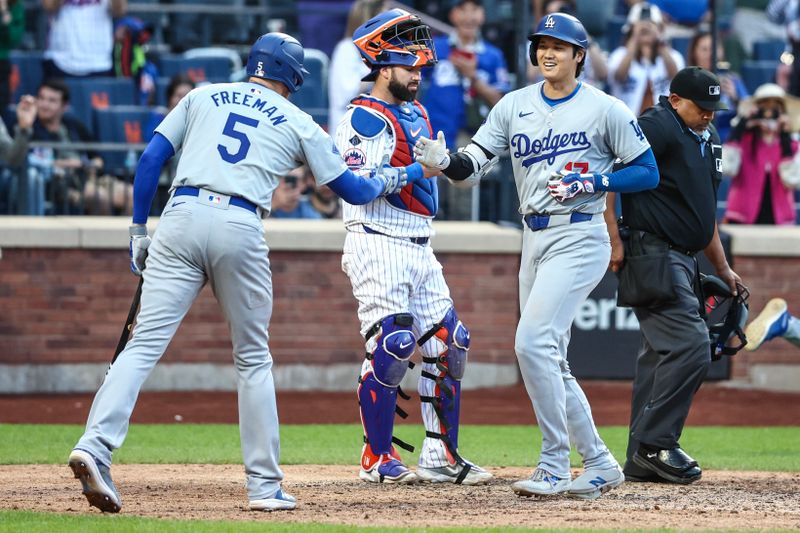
{"points": [[395, 37], [726, 315]]}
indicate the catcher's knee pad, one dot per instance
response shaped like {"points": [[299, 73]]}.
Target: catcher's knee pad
{"points": [[390, 344], [448, 355], [452, 346]]}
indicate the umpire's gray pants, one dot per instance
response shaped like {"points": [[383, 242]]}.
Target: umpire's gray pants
{"points": [[672, 362]]}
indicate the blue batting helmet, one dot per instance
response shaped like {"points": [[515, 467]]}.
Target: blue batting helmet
{"points": [[394, 37], [559, 26], [279, 57]]}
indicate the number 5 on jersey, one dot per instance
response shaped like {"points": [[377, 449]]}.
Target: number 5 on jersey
{"points": [[231, 131]]}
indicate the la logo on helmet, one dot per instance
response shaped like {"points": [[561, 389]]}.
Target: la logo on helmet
{"points": [[550, 23]]}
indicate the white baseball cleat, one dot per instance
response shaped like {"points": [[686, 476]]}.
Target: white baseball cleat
{"points": [[451, 473], [595, 481], [771, 322], [281, 501], [541, 483], [96, 481]]}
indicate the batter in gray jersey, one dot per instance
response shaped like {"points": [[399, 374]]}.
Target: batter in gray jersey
{"points": [[237, 139], [585, 133], [563, 138]]}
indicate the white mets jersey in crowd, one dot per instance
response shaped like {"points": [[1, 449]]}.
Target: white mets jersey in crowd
{"points": [[245, 152], [543, 137], [370, 131]]}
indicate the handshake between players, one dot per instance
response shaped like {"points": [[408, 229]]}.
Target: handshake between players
{"points": [[562, 185]]}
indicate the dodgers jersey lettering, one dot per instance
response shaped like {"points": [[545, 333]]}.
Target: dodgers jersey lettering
{"points": [[240, 138], [363, 152], [542, 139]]}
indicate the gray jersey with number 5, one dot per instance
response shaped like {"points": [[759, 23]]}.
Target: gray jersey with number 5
{"points": [[240, 138], [584, 133]]}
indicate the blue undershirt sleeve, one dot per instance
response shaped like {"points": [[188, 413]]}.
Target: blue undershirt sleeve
{"points": [[145, 183], [359, 190], [355, 189], [638, 175]]}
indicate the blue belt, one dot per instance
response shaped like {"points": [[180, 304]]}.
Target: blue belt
{"points": [[238, 201], [415, 240], [540, 222]]}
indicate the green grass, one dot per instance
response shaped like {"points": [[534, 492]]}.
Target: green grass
{"points": [[721, 448], [15, 521], [732, 448]]}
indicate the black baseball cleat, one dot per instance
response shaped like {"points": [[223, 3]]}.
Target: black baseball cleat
{"points": [[673, 465], [96, 481], [637, 474]]}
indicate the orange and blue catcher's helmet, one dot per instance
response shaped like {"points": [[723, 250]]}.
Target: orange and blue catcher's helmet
{"points": [[394, 37]]}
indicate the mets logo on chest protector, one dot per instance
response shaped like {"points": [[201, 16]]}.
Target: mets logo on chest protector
{"points": [[548, 147], [354, 158]]}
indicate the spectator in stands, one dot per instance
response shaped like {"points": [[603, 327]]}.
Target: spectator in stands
{"points": [[81, 37], [787, 14], [595, 68], [641, 70], [773, 321], [731, 84], [751, 23], [469, 79], [14, 149], [12, 26], [765, 149], [346, 67], [288, 200], [179, 86], [682, 16], [72, 176]]}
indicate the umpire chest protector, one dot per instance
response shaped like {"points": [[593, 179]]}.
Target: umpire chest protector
{"points": [[409, 122]]}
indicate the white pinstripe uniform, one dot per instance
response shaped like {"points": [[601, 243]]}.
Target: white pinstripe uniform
{"points": [[389, 273]]}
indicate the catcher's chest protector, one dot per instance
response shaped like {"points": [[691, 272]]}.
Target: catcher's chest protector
{"points": [[409, 122]]}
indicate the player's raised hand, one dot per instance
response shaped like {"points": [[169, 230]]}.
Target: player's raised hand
{"points": [[139, 244], [564, 185], [432, 153]]}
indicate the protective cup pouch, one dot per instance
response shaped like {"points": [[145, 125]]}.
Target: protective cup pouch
{"points": [[645, 279]]}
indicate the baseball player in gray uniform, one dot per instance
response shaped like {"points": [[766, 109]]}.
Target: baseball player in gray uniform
{"points": [[237, 140], [563, 137], [403, 300]]}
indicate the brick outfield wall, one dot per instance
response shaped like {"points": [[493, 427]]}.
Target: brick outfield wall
{"points": [[768, 277], [68, 306]]}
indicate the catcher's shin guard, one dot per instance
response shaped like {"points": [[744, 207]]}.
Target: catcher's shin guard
{"points": [[444, 348], [390, 344]]}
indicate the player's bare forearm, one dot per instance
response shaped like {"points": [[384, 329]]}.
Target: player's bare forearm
{"points": [[617, 248], [716, 255]]}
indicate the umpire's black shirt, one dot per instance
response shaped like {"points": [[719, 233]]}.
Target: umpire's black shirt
{"points": [[682, 209]]}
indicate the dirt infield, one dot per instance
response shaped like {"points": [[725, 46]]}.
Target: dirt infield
{"points": [[715, 404], [334, 495]]}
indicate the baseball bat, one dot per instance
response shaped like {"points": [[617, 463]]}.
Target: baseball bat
{"points": [[126, 330]]}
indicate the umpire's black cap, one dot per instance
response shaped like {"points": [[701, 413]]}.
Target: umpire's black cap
{"points": [[700, 86]]}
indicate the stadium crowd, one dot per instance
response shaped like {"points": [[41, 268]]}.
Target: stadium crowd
{"points": [[106, 71]]}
